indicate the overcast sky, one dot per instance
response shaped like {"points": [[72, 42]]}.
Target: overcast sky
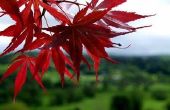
{"points": [[154, 40]]}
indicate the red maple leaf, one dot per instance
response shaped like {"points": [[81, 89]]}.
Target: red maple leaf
{"points": [[21, 64], [90, 29]]}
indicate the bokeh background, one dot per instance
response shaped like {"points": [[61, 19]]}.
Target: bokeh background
{"points": [[141, 80]]}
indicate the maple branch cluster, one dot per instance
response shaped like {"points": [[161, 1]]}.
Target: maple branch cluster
{"points": [[90, 29]]}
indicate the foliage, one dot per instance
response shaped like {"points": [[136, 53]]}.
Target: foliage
{"points": [[68, 95], [167, 105], [160, 92], [91, 27], [58, 98], [89, 90], [127, 101], [120, 102], [16, 106]]}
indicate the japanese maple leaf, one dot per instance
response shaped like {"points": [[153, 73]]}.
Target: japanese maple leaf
{"points": [[59, 60], [25, 33], [21, 64], [10, 8], [26, 21], [116, 19], [83, 33], [20, 30], [90, 29], [46, 5]]}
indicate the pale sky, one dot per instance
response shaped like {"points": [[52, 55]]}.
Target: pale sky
{"points": [[154, 40], [160, 21]]}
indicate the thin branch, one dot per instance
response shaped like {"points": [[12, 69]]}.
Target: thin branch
{"points": [[47, 23], [70, 2]]}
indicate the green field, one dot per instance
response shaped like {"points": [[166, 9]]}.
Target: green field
{"points": [[139, 79], [100, 102]]}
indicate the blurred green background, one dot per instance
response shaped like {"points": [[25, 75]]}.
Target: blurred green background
{"points": [[136, 83]]}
